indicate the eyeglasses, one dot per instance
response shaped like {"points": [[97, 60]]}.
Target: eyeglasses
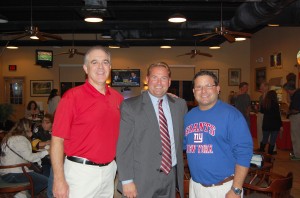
{"points": [[206, 87]]}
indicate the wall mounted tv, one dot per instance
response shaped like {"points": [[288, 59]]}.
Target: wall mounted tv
{"points": [[44, 58], [125, 77]]}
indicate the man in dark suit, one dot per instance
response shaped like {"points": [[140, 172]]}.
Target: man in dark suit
{"points": [[140, 149]]}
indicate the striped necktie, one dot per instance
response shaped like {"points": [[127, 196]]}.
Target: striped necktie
{"points": [[166, 162]]}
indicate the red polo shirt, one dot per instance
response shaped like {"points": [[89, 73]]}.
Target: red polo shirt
{"points": [[89, 122]]}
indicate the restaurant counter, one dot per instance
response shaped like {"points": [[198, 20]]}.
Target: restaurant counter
{"points": [[284, 138]]}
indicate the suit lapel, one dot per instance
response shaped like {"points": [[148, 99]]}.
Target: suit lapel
{"points": [[149, 110], [175, 118]]}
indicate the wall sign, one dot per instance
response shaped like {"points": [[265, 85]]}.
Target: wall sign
{"points": [[12, 67]]}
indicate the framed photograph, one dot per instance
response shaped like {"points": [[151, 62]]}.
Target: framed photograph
{"points": [[275, 60], [215, 71], [234, 77], [40, 88], [260, 76]]}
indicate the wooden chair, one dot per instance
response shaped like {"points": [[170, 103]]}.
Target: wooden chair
{"points": [[269, 184], [6, 187]]}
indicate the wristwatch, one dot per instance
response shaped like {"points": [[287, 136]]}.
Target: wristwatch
{"points": [[236, 191]]}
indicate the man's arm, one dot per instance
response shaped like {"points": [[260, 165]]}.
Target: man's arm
{"points": [[60, 186], [238, 181]]}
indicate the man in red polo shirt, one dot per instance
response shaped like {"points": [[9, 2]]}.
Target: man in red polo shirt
{"points": [[86, 129]]}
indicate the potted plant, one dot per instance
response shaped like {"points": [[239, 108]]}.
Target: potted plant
{"points": [[6, 111]]}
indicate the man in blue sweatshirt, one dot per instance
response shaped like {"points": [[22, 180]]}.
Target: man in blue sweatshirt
{"points": [[217, 141]]}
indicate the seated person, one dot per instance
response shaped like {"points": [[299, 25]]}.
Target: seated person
{"points": [[134, 78], [32, 110], [41, 139], [16, 149], [117, 77]]}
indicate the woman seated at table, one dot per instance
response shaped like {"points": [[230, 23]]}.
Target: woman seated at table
{"points": [[32, 110], [16, 149]]}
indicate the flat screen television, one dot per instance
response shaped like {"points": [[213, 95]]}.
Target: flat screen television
{"points": [[125, 77], [44, 58]]}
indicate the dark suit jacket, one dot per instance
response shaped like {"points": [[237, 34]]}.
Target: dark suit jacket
{"points": [[139, 146]]}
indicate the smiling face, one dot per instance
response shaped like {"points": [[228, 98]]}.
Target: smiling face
{"points": [[206, 92], [97, 67], [158, 81]]}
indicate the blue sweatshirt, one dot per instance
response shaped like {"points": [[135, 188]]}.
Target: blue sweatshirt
{"points": [[215, 141]]}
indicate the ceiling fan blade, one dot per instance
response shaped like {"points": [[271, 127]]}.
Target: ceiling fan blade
{"points": [[243, 34], [40, 36], [184, 54], [229, 38], [12, 33], [204, 54], [205, 39], [61, 53], [80, 53], [71, 55], [53, 36], [19, 36], [202, 34]]}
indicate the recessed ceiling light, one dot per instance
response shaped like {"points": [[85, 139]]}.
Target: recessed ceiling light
{"points": [[165, 47], [177, 18], [12, 47], [93, 19], [273, 25], [214, 47], [240, 39], [33, 37], [114, 46]]}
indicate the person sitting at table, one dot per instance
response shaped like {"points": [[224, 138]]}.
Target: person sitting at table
{"points": [[32, 110], [41, 139], [271, 124], [16, 149]]}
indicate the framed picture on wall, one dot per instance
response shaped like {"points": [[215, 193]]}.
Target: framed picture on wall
{"points": [[215, 71], [234, 77], [275, 60], [260, 76], [40, 88]]}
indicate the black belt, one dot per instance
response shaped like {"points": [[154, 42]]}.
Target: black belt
{"points": [[84, 161]]}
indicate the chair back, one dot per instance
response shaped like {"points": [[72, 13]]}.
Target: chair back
{"points": [[276, 185], [6, 187]]}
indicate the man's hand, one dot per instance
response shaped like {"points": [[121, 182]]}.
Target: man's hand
{"points": [[60, 189], [129, 190]]}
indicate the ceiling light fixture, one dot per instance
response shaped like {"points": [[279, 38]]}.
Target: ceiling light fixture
{"points": [[165, 47], [273, 25], [12, 47], [34, 37], [3, 19], [114, 46], [240, 39], [214, 47], [93, 19], [177, 18]]}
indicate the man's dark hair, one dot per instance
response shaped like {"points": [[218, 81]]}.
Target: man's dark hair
{"points": [[206, 73], [242, 84]]}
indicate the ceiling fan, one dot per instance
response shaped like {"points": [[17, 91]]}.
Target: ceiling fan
{"points": [[195, 52], [32, 31], [72, 51], [223, 31]]}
